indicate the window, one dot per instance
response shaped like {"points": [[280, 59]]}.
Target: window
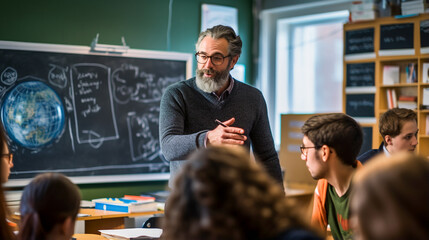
{"points": [[308, 64]]}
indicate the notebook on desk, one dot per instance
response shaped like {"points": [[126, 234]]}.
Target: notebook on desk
{"points": [[132, 233]]}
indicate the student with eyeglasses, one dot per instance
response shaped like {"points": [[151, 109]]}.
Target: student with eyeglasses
{"points": [[330, 146], [215, 109]]}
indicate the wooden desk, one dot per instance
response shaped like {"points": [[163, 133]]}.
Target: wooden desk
{"points": [[85, 236], [301, 195], [100, 219]]}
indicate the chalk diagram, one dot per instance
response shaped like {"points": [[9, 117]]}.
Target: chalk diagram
{"points": [[92, 101], [132, 84]]}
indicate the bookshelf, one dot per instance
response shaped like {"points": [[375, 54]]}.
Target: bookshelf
{"points": [[388, 41]]}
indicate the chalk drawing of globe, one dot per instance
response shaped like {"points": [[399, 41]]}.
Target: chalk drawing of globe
{"points": [[32, 114]]}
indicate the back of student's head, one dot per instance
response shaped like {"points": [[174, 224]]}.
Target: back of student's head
{"points": [[222, 194], [390, 199], [338, 131], [391, 121], [48, 200]]}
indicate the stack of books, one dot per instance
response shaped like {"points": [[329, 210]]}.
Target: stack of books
{"points": [[128, 204], [409, 102], [363, 11], [414, 7]]}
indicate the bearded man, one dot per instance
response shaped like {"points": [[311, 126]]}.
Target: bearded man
{"points": [[191, 110]]}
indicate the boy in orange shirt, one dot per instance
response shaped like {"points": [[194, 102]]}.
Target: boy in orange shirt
{"points": [[331, 144]]}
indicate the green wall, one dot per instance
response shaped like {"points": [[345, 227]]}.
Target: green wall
{"points": [[143, 23]]}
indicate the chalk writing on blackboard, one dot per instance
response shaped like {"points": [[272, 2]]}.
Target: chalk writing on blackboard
{"points": [[360, 105], [359, 41], [111, 106], [397, 36], [93, 102], [360, 74]]}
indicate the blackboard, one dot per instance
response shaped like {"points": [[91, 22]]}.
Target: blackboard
{"points": [[359, 41], [360, 105], [367, 140], [424, 33], [397, 36], [111, 107], [360, 74]]}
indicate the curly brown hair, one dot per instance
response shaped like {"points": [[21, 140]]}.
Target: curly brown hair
{"points": [[222, 194]]}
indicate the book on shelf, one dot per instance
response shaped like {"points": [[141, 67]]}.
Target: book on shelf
{"points": [[425, 73], [409, 102], [425, 99], [131, 233], [391, 98], [411, 71], [390, 75]]}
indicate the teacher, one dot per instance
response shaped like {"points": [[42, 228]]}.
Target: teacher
{"points": [[190, 108]]}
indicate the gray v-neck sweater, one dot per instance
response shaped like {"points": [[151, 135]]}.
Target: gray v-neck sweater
{"points": [[187, 114]]}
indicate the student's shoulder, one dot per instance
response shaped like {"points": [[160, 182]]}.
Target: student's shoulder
{"points": [[368, 155]]}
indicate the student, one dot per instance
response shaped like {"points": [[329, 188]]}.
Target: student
{"points": [[49, 207], [189, 108], [330, 146], [7, 156], [398, 127], [5, 227], [390, 198], [222, 194]]}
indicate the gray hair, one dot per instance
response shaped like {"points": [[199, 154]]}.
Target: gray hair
{"points": [[220, 31]]}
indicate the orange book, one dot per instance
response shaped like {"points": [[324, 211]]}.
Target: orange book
{"points": [[139, 198]]}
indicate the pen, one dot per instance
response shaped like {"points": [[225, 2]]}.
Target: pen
{"points": [[220, 123]]}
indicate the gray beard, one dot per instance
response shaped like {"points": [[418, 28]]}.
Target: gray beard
{"points": [[214, 83]]}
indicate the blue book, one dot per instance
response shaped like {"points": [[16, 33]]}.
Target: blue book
{"points": [[124, 205]]}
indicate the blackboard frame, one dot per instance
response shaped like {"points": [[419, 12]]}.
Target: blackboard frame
{"points": [[86, 50]]}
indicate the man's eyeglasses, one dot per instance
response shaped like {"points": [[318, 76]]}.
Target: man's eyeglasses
{"points": [[217, 58], [8, 156], [304, 149]]}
